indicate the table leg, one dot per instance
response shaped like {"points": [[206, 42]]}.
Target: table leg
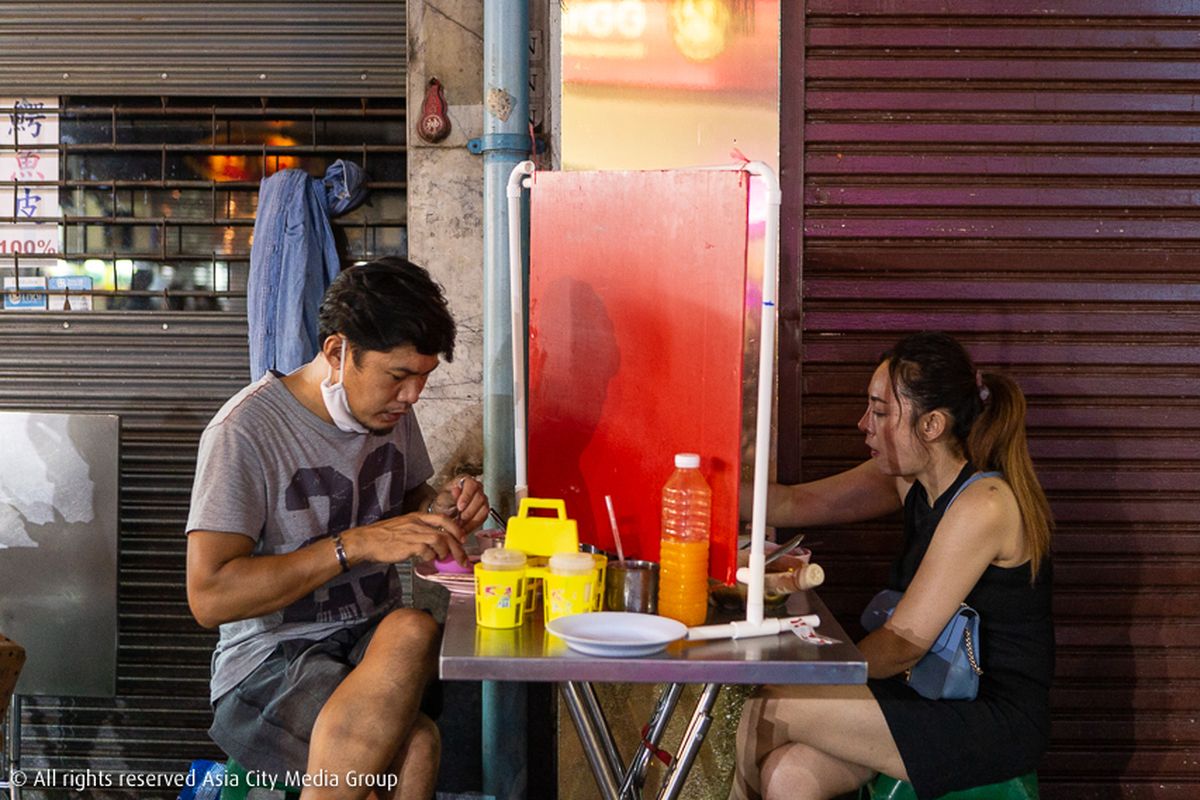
{"points": [[655, 729], [505, 757], [692, 740], [601, 751], [591, 738], [596, 714]]}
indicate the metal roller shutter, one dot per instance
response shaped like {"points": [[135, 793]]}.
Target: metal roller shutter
{"points": [[166, 372], [165, 375], [1022, 174], [220, 47]]}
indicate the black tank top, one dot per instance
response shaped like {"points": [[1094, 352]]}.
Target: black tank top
{"points": [[1016, 628]]}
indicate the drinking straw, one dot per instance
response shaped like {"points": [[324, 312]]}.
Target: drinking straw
{"points": [[612, 518]]}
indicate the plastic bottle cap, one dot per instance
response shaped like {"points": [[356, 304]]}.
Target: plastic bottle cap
{"points": [[572, 563], [502, 558], [687, 460]]}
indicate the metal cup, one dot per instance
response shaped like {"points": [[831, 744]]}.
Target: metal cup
{"points": [[584, 547], [631, 586]]}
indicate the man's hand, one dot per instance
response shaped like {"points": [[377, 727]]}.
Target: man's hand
{"points": [[424, 536], [226, 583], [463, 501]]}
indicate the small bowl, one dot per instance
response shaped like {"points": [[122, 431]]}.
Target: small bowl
{"points": [[452, 567], [733, 598]]}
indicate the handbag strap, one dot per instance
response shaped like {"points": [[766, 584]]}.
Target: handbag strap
{"points": [[968, 641], [969, 481], [971, 651]]}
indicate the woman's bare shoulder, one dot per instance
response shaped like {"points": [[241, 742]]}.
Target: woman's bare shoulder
{"points": [[987, 512]]}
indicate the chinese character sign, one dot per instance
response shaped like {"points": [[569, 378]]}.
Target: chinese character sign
{"points": [[28, 124], [32, 198], [29, 173]]}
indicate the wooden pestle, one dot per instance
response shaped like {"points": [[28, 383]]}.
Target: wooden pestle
{"points": [[802, 577], [806, 576]]}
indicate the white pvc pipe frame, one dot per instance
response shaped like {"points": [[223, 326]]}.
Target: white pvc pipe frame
{"points": [[519, 178]]}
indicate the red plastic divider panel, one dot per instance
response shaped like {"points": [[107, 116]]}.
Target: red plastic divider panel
{"points": [[637, 296]]}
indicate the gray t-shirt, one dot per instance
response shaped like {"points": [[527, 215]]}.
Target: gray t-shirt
{"points": [[272, 470]]}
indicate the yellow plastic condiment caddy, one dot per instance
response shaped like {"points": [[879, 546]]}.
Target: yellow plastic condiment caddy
{"points": [[504, 596]]}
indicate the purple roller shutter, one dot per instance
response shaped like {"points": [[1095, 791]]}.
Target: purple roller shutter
{"points": [[1023, 175]]}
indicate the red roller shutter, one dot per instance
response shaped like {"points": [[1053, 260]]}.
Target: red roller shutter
{"points": [[1023, 175]]}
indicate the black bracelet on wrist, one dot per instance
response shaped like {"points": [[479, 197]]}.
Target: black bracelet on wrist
{"points": [[341, 552]]}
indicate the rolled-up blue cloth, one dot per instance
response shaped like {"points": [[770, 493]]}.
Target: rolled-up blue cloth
{"points": [[344, 187]]}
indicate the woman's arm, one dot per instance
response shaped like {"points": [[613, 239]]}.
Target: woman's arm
{"points": [[851, 496], [975, 530]]}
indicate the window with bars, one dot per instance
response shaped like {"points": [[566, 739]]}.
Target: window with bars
{"points": [[149, 204]]}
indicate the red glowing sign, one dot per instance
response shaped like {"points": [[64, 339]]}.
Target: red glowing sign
{"points": [[701, 45]]}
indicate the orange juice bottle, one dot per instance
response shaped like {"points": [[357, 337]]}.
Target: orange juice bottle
{"points": [[683, 554]]}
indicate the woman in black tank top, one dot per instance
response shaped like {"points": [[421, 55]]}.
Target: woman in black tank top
{"points": [[932, 421]]}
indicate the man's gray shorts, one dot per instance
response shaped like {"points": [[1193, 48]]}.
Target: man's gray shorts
{"points": [[264, 723]]}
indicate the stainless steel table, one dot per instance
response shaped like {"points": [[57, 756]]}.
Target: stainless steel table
{"points": [[529, 653]]}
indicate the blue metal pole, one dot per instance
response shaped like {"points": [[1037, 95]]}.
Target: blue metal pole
{"points": [[505, 142]]}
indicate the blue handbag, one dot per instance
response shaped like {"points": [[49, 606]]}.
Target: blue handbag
{"points": [[950, 670]]}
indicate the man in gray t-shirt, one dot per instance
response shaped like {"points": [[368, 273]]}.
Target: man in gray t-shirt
{"points": [[309, 488]]}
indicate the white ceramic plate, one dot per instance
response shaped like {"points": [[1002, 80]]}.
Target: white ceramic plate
{"points": [[616, 634]]}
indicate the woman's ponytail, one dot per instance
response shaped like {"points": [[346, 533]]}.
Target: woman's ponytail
{"points": [[997, 442]]}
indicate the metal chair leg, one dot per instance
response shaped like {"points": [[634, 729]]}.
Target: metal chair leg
{"points": [[13, 747]]}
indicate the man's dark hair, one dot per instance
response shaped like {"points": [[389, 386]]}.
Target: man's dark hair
{"points": [[388, 303]]}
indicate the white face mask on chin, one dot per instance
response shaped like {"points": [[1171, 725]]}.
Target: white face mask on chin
{"points": [[334, 395]]}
